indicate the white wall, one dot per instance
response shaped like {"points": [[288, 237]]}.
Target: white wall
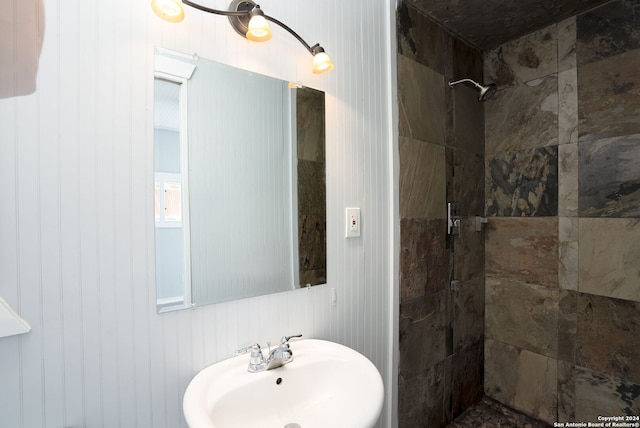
{"points": [[76, 247]]}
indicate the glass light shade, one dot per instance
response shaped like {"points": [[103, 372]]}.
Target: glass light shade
{"points": [[259, 30], [322, 63], [169, 10]]}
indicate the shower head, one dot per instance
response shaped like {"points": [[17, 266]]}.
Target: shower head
{"points": [[486, 91]]}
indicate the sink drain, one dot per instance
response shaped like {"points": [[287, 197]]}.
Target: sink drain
{"points": [[293, 425]]}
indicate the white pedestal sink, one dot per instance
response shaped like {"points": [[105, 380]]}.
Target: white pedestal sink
{"points": [[326, 385]]}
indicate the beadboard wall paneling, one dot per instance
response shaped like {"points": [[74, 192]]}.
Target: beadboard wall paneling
{"points": [[77, 251]]}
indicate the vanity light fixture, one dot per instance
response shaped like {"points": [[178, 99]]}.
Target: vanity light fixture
{"points": [[248, 20]]}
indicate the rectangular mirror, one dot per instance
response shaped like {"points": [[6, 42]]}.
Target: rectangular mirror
{"points": [[239, 183]]}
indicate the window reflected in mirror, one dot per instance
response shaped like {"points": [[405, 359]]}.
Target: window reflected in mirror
{"points": [[171, 233]]}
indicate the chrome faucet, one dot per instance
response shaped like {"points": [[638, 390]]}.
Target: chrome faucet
{"points": [[277, 358]]}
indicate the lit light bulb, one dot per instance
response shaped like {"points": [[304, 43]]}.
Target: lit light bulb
{"points": [[322, 63], [258, 29], [169, 10]]}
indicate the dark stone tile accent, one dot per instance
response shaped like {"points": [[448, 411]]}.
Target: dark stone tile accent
{"points": [[567, 325], [609, 97], [609, 177], [424, 399], [467, 61], [421, 39], [566, 392], [424, 260], [608, 336], [488, 24], [468, 251], [468, 186], [312, 220], [468, 314], [608, 31], [523, 183], [312, 195], [468, 377], [468, 120], [312, 248], [425, 333]]}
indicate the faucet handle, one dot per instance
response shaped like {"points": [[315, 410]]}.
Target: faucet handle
{"points": [[247, 349], [286, 339]]}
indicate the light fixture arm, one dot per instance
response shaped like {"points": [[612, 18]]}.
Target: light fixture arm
{"points": [[293, 33], [246, 13], [216, 11]]}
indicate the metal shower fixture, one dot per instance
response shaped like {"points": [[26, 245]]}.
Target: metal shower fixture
{"points": [[486, 91]]}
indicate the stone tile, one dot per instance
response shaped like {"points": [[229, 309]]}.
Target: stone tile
{"points": [[449, 113], [422, 179], [422, 40], [609, 177], [468, 375], [566, 392], [523, 116], [425, 333], [468, 189], [488, 413], [567, 325], [312, 247], [424, 261], [468, 314], [312, 195], [568, 189], [310, 124], [450, 155], [530, 57], [423, 399], [536, 389], [521, 379], [609, 251], [523, 249], [468, 119], [467, 62], [608, 31], [568, 106], [500, 371], [523, 183], [609, 100], [421, 102], [567, 44], [568, 253], [522, 315], [608, 336], [601, 395], [468, 251]]}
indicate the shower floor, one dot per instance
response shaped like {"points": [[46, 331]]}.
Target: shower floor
{"points": [[488, 413]]}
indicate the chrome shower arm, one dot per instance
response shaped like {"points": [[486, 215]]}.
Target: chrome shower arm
{"points": [[477, 85]]}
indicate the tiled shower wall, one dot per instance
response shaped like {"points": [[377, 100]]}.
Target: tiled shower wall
{"points": [[563, 195], [441, 144]]}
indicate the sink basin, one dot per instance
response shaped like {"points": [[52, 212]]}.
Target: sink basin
{"points": [[326, 385]]}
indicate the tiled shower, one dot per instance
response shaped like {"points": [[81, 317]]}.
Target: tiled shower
{"points": [[546, 318], [441, 160]]}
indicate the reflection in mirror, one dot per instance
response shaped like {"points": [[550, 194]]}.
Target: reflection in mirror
{"points": [[239, 184]]}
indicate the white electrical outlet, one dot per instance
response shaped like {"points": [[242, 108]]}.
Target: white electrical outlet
{"points": [[352, 222]]}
